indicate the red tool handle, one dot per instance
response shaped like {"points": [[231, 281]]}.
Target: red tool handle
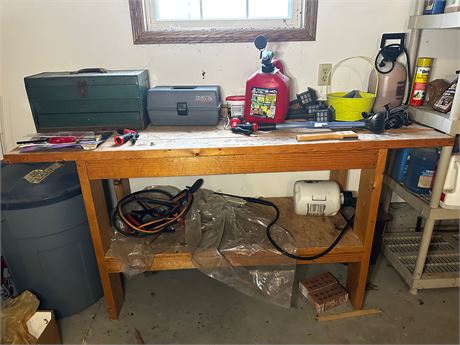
{"points": [[121, 139], [62, 140]]}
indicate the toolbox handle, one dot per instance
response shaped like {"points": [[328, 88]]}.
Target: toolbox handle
{"points": [[90, 70]]}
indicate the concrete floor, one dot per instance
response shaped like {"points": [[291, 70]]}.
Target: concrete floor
{"points": [[188, 307]]}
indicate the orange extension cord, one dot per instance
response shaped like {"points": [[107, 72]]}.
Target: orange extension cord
{"points": [[155, 214]]}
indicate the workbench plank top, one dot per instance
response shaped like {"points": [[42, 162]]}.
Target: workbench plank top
{"points": [[158, 142]]}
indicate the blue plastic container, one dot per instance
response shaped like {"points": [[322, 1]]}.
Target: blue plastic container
{"points": [[434, 6], [420, 170], [400, 164]]}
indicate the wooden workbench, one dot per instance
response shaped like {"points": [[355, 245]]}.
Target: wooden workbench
{"points": [[203, 151]]}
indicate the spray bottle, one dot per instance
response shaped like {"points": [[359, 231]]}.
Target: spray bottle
{"points": [[392, 74], [267, 90], [420, 82]]}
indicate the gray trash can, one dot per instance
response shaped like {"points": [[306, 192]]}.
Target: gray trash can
{"points": [[45, 238]]}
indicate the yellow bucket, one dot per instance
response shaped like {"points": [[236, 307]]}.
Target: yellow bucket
{"points": [[351, 109]]}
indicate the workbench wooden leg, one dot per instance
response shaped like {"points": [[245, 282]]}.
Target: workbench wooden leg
{"points": [[370, 186], [99, 224], [341, 176], [121, 187]]}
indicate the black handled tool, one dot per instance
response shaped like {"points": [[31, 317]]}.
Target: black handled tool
{"points": [[374, 123], [126, 135]]}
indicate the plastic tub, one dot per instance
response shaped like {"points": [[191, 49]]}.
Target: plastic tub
{"points": [[351, 109], [235, 105], [400, 165], [420, 170], [434, 6], [450, 197]]}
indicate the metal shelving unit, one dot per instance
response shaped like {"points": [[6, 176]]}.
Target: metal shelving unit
{"points": [[426, 260], [434, 119], [435, 21], [448, 123], [421, 202], [441, 263]]}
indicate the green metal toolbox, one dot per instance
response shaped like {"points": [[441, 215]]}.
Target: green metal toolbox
{"points": [[88, 99]]}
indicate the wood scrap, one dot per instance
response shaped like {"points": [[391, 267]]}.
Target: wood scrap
{"points": [[341, 135], [348, 315], [139, 338]]}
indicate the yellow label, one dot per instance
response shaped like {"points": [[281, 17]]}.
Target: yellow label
{"points": [[424, 180], [421, 75], [38, 175]]}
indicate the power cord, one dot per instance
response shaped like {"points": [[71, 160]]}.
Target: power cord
{"points": [[156, 214], [349, 223]]}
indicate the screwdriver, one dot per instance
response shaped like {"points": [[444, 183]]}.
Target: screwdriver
{"points": [[51, 140]]}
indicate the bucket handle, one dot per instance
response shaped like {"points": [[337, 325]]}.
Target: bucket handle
{"points": [[365, 58]]}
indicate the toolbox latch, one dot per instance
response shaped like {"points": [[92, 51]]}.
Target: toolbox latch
{"points": [[182, 109], [82, 88]]}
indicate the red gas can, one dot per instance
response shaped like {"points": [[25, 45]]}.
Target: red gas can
{"points": [[267, 92]]}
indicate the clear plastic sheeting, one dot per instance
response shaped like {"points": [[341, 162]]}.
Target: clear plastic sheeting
{"points": [[227, 240], [136, 254]]}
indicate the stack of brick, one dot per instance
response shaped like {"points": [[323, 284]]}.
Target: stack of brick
{"points": [[324, 292]]}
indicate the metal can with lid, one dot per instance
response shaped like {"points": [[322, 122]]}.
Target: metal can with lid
{"points": [[235, 105], [420, 81]]}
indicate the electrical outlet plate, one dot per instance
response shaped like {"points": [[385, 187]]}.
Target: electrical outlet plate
{"points": [[324, 74]]}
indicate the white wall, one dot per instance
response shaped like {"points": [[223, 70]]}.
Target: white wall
{"points": [[63, 35], [1, 78], [444, 46]]}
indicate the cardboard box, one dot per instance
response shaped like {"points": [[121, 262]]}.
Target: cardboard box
{"points": [[42, 325], [318, 282]]}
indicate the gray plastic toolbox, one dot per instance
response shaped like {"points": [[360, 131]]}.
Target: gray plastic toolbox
{"points": [[184, 105]]}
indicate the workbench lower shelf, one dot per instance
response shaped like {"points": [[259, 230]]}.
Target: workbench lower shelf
{"points": [[442, 262], [312, 235]]}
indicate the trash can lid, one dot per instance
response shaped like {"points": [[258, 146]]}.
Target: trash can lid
{"points": [[29, 185]]}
